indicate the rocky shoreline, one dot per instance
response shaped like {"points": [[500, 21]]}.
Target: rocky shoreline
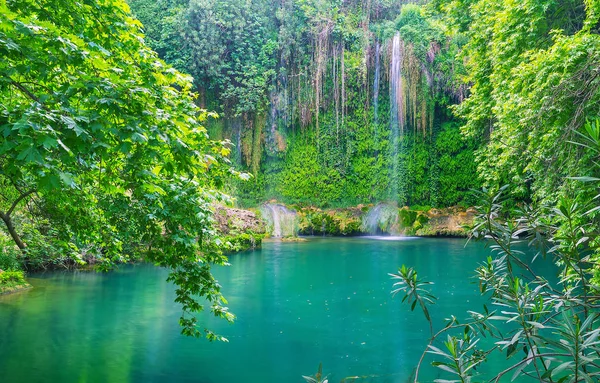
{"points": [[241, 229], [245, 229]]}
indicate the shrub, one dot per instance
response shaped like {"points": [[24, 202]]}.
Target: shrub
{"points": [[12, 278]]}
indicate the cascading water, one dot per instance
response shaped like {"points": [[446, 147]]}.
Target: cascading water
{"points": [[236, 138], [382, 218], [397, 121], [376, 86], [281, 221], [278, 117], [271, 141]]}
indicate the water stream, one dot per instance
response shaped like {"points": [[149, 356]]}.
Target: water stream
{"points": [[397, 122], [376, 80]]}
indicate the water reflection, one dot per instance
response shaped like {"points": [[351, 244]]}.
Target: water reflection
{"points": [[297, 304]]}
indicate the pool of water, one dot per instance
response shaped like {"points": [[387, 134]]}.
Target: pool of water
{"points": [[325, 301]]}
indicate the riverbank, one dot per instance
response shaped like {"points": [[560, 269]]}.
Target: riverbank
{"points": [[245, 229], [12, 281], [291, 220]]}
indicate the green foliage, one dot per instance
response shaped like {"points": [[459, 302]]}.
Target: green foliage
{"points": [[9, 253], [232, 51], [303, 180], [11, 278], [407, 217], [456, 167], [102, 150], [241, 242], [532, 69], [295, 81], [548, 331], [318, 377], [313, 221], [163, 34], [413, 289]]}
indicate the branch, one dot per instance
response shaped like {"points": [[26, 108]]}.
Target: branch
{"points": [[440, 332], [24, 90], [497, 378], [19, 199]]}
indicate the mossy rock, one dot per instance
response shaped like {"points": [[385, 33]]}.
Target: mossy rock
{"points": [[352, 226], [13, 289], [407, 217], [328, 222], [422, 218], [293, 239]]}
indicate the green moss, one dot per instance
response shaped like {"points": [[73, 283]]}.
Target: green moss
{"points": [[241, 242], [314, 221], [407, 218]]}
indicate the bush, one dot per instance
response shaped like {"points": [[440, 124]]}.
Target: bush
{"points": [[242, 242], [12, 278], [8, 254]]}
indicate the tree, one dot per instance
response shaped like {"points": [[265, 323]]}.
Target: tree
{"points": [[532, 67], [103, 140], [232, 52], [163, 29]]}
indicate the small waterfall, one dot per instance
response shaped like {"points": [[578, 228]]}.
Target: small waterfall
{"points": [[281, 221], [278, 117], [382, 218], [397, 120]]}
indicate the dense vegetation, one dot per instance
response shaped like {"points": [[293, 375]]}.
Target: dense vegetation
{"points": [[304, 94], [340, 103], [102, 155]]}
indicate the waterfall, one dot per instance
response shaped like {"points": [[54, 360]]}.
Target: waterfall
{"points": [[376, 90], [397, 120], [271, 140], [382, 218], [277, 117], [281, 221], [236, 132]]}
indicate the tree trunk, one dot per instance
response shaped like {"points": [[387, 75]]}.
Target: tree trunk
{"points": [[11, 230]]}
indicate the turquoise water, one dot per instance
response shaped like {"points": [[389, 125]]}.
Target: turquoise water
{"points": [[297, 305]]}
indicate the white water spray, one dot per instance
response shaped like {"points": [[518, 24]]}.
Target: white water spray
{"points": [[397, 121], [281, 221]]}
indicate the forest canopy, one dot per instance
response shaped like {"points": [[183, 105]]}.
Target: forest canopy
{"points": [[485, 90]]}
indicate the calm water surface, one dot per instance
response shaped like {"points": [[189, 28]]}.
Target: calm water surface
{"points": [[297, 305]]}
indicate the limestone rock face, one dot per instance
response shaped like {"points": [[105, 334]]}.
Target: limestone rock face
{"points": [[442, 222], [237, 221], [448, 222], [241, 229]]}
